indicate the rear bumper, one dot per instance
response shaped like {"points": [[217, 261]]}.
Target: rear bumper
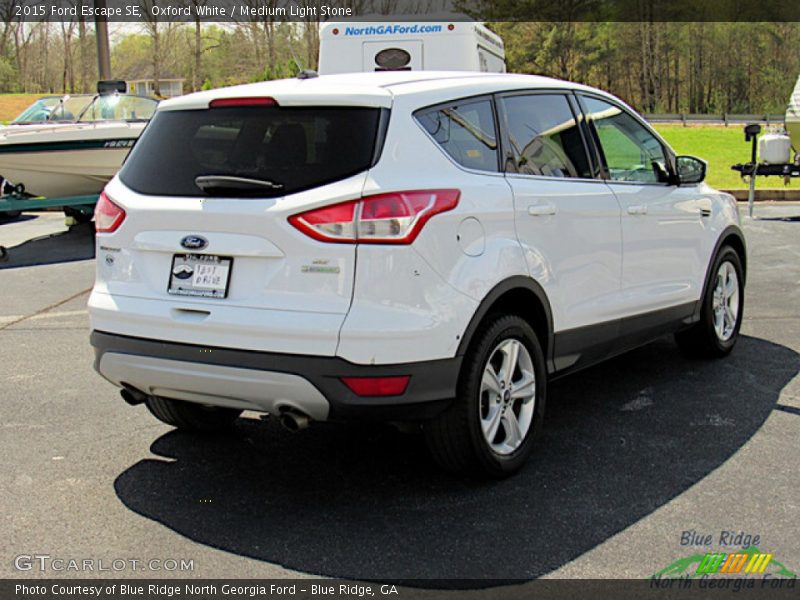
{"points": [[270, 381]]}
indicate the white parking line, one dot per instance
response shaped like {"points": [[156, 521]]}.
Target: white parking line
{"points": [[6, 322], [56, 314], [48, 315]]}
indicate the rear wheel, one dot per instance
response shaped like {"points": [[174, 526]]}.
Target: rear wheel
{"points": [[491, 426], [10, 214], [715, 334], [190, 416]]}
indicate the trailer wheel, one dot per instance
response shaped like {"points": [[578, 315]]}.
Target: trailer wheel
{"points": [[78, 215]]}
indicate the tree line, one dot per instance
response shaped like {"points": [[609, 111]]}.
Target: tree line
{"points": [[60, 57], [673, 67], [677, 67]]}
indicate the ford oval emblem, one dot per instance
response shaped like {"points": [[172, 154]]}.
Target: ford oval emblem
{"points": [[194, 242]]}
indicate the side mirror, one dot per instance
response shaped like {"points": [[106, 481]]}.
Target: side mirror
{"points": [[691, 169]]}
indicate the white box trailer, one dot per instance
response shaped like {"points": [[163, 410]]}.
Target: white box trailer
{"points": [[793, 117], [352, 46], [774, 150]]}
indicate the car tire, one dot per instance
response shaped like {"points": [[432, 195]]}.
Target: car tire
{"points": [[190, 416], [10, 214], [476, 434], [715, 334]]}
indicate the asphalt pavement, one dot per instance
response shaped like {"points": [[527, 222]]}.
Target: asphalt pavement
{"points": [[637, 452]]}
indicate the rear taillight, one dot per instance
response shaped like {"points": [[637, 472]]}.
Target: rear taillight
{"points": [[393, 218], [377, 386], [107, 215]]}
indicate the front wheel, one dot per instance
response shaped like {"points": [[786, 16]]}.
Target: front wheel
{"points": [[715, 334], [491, 426]]}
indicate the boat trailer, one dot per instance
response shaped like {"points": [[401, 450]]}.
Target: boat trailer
{"points": [[80, 208], [755, 169]]}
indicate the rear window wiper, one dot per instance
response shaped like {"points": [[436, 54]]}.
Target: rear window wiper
{"points": [[220, 184]]}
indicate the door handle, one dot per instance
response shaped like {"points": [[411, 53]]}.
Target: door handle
{"points": [[637, 209], [541, 210]]}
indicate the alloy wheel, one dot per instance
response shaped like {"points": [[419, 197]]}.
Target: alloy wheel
{"points": [[725, 302], [507, 396]]}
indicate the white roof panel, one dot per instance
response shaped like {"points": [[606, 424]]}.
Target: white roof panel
{"points": [[368, 89]]}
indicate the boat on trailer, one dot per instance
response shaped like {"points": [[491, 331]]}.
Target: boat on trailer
{"points": [[76, 147]]}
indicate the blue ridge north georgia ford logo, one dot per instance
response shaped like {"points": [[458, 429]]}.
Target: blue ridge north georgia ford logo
{"points": [[194, 242]]}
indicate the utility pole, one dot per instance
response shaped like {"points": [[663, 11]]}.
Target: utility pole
{"points": [[101, 34]]}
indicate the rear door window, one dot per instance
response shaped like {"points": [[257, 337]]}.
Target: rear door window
{"points": [[296, 148], [465, 130], [544, 137]]}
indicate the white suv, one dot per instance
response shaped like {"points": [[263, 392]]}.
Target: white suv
{"points": [[417, 248]]}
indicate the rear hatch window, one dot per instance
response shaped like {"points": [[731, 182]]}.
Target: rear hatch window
{"points": [[251, 150]]}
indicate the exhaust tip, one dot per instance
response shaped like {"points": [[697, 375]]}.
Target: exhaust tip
{"points": [[131, 395], [293, 421]]}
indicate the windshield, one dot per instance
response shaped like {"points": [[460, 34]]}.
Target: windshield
{"points": [[251, 150], [119, 107], [52, 108], [38, 111], [87, 109]]}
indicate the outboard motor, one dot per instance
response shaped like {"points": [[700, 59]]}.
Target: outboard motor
{"points": [[8, 188]]}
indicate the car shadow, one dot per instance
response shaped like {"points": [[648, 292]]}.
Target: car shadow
{"points": [[76, 243], [621, 439]]}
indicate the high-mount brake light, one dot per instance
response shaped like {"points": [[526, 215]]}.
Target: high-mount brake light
{"points": [[392, 218], [107, 215], [229, 102]]}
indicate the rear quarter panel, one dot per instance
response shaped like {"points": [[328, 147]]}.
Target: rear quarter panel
{"points": [[422, 297]]}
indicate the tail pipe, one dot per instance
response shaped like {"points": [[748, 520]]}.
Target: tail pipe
{"points": [[131, 395], [293, 420]]}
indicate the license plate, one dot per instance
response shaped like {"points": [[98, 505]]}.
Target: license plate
{"points": [[203, 275]]}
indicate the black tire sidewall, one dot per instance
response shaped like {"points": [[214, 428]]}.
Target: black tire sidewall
{"points": [[499, 329], [190, 416], [727, 254]]}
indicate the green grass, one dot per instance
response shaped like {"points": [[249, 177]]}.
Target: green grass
{"points": [[722, 147], [13, 104]]}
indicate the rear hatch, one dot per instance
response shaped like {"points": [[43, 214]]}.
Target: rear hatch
{"points": [[207, 193]]}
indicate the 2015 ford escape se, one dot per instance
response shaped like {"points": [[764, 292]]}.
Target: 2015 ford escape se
{"points": [[407, 247]]}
